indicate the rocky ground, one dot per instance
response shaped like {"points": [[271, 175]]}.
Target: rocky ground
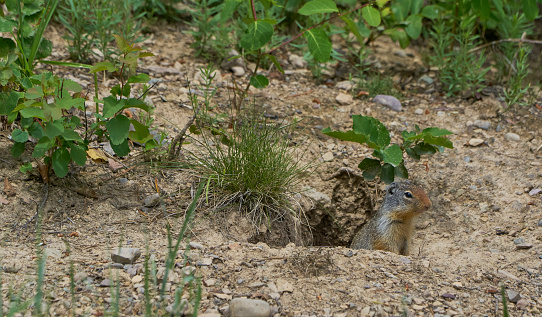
{"points": [[484, 230]]}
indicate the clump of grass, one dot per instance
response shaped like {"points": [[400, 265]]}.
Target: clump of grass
{"points": [[380, 85], [254, 167]]}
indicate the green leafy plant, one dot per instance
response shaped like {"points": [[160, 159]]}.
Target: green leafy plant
{"points": [[388, 159], [92, 24], [380, 85], [515, 90]]}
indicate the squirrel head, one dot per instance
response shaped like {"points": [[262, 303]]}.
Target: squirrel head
{"points": [[405, 200]]}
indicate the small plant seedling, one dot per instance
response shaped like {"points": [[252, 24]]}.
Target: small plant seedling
{"points": [[389, 162]]}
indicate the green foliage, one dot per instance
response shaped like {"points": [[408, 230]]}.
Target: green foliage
{"points": [[211, 35], [380, 85], [460, 69], [515, 90], [92, 25], [388, 161]]}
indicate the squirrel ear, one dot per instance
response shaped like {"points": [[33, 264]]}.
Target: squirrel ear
{"points": [[392, 188]]}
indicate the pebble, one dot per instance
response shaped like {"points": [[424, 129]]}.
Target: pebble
{"points": [[522, 304], [297, 61], [441, 113], [388, 101], [328, 157], [125, 255], [400, 53], [418, 111], [181, 309], [346, 85], [12, 267], [475, 142], [519, 241], [482, 124], [137, 279], [511, 136], [196, 245], [466, 159], [540, 222], [426, 79], [284, 286], [152, 200], [524, 246], [79, 276], [457, 285], [534, 191], [238, 71], [344, 99], [105, 283], [513, 296], [499, 128], [209, 282], [243, 307]]}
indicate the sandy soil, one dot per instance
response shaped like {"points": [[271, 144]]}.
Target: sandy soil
{"points": [[484, 230]]}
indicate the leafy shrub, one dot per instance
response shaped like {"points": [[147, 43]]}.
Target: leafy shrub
{"points": [[389, 162]]}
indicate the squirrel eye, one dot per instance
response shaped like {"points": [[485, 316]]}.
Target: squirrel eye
{"points": [[408, 194]]}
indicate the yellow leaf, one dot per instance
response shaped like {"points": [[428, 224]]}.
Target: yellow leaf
{"points": [[97, 155]]}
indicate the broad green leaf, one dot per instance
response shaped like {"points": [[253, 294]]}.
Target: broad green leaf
{"points": [[387, 174], [412, 153], [25, 168], [8, 102], [376, 133], [368, 163], [401, 171], [393, 155], [136, 103], [431, 11], [398, 35], [346, 136], [19, 136], [51, 111], [112, 106], [256, 36], [34, 92], [259, 81], [61, 159], [414, 27], [424, 148], [371, 15], [319, 45], [6, 26], [381, 3], [228, 9], [141, 132], [122, 149], [67, 102], [440, 141], [484, 10], [416, 6], [436, 131], [318, 6], [17, 149], [400, 9], [54, 129], [118, 128], [151, 144], [70, 85], [36, 131], [139, 78], [78, 153], [44, 144], [6, 46], [122, 44], [372, 173], [71, 135], [101, 66], [353, 28]]}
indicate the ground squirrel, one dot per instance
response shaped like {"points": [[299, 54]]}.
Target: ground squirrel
{"points": [[392, 227]]}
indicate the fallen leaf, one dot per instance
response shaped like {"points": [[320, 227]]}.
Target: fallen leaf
{"points": [[3, 201], [114, 165], [362, 93], [8, 189], [97, 155]]}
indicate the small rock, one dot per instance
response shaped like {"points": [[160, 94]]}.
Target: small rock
{"points": [[79, 276], [284, 286], [137, 279], [163, 70], [522, 304], [182, 309], [524, 246], [417, 307], [152, 200], [125, 255], [122, 180], [105, 283], [187, 270], [519, 241], [499, 128], [540, 222], [426, 79], [482, 124], [466, 159], [328, 157], [388, 101], [205, 262], [12, 267], [475, 142], [238, 71], [344, 99], [209, 282], [513, 296], [196, 245], [346, 85], [243, 307], [297, 61], [457, 285], [441, 113], [511, 136], [400, 53], [256, 285], [418, 111], [534, 191]]}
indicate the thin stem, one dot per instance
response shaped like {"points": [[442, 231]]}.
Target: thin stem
{"points": [[253, 10]]}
